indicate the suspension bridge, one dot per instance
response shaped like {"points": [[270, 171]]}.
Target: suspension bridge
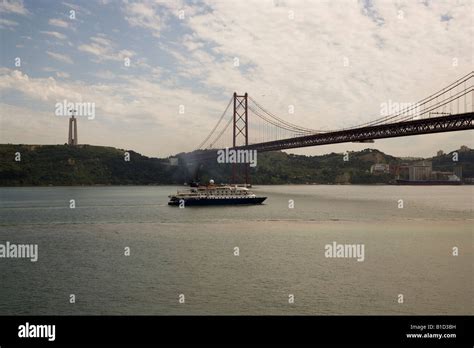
{"points": [[256, 128]]}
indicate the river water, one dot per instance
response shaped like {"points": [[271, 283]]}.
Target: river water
{"points": [[408, 235]]}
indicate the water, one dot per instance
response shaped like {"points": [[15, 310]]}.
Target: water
{"points": [[191, 251]]}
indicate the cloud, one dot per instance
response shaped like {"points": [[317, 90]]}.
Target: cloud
{"points": [[58, 23], [103, 49], [77, 8], [63, 75], [153, 15], [13, 6], [105, 74], [42, 127], [145, 15], [60, 57], [130, 105], [295, 53], [54, 34], [334, 62], [6, 23]]}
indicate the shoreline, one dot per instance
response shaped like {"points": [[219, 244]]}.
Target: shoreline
{"points": [[253, 185]]}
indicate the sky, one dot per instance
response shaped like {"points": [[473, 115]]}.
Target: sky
{"points": [[160, 73]]}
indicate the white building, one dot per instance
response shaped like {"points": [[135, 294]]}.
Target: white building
{"points": [[379, 168]]}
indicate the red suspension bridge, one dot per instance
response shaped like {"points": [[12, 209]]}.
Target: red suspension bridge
{"points": [[255, 128]]}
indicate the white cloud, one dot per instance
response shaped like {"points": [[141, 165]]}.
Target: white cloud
{"points": [[283, 61], [144, 14], [13, 6], [6, 23], [130, 105], [298, 57], [60, 57], [42, 128], [54, 34], [154, 14], [58, 23], [105, 74], [62, 75], [77, 8], [103, 49]]}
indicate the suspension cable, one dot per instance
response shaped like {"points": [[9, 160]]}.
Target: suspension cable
{"points": [[217, 124], [291, 125], [421, 102]]}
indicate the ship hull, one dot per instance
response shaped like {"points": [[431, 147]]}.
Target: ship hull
{"points": [[219, 201]]}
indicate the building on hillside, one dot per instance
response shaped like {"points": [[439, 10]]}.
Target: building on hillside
{"points": [[173, 161], [400, 171], [379, 168], [420, 171], [458, 171]]}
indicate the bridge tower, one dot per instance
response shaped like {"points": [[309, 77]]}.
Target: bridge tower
{"points": [[240, 133]]}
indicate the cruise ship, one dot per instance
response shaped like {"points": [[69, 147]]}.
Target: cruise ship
{"points": [[215, 195]]}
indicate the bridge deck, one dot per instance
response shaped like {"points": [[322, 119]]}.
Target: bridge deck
{"points": [[432, 125], [416, 127]]}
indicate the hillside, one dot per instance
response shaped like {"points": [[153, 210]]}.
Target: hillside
{"points": [[82, 165], [96, 165], [283, 168]]}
